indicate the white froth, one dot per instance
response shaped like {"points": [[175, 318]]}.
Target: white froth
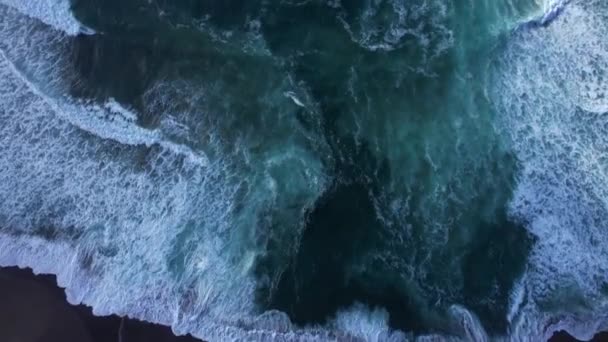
{"points": [[113, 196], [116, 108], [359, 320], [372, 324], [405, 25], [473, 330], [551, 95], [124, 213], [112, 121], [56, 13], [45, 69]]}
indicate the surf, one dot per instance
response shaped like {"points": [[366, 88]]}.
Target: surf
{"points": [[550, 101]]}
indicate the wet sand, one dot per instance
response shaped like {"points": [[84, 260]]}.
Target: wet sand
{"points": [[562, 336], [34, 309]]}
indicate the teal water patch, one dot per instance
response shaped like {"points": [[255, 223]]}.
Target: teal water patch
{"points": [[427, 175]]}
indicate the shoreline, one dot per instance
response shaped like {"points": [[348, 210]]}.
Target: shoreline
{"points": [[34, 308]]}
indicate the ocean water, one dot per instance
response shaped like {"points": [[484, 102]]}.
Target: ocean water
{"points": [[312, 170]]}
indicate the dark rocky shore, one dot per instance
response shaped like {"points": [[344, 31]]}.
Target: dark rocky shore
{"points": [[34, 309]]}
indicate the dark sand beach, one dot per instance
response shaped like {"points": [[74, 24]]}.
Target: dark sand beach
{"points": [[564, 337], [34, 309]]}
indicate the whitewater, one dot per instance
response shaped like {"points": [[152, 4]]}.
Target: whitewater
{"points": [[91, 194], [552, 100]]}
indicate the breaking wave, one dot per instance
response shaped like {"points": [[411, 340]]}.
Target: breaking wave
{"points": [[549, 86], [56, 13]]}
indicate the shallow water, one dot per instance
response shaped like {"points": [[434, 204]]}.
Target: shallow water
{"points": [[311, 170]]}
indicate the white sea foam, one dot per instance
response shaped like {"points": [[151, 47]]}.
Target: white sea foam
{"points": [[114, 203], [553, 10], [56, 13], [294, 98], [372, 325], [126, 214], [45, 69], [551, 92], [473, 330], [405, 25]]}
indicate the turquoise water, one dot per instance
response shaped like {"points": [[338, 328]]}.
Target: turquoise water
{"points": [[313, 170]]}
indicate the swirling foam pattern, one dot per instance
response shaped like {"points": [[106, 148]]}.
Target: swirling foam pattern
{"points": [[549, 85]]}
